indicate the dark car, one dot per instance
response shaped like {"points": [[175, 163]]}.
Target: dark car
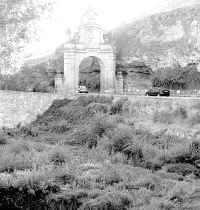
{"points": [[158, 92], [82, 89]]}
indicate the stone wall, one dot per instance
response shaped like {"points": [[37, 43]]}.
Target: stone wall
{"points": [[16, 107]]}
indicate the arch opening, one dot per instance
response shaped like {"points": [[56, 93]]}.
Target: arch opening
{"points": [[91, 71]]}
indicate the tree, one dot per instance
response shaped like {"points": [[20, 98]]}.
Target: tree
{"points": [[18, 19]]}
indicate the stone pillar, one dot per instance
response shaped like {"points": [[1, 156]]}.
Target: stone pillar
{"points": [[58, 83], [69, 72], [109, 75], [119, 83]]}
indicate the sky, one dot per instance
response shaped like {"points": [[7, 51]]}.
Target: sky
{"points": [[112, 13]]}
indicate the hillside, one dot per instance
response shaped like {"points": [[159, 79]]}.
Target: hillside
{"points": [[96, 153], [163, 39]]}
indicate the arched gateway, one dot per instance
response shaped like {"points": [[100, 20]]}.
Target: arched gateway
{"points": [[89, 41]]}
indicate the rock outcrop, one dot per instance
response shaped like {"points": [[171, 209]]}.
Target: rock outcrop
{"points": [[161, 40]]}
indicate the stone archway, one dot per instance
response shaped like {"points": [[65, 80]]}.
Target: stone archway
{"points": [[90, 40], [90, 74]]}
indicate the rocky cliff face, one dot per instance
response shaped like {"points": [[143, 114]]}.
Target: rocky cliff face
{"points": [[161, 40]]}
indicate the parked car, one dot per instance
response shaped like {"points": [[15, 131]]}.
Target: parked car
{"points": [[157, 92], [82, 89]]}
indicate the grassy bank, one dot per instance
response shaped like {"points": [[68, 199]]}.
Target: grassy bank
{"points": [[94, 153]]}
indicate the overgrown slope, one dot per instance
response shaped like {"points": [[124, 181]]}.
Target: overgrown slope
{"points": [[89, 154]]}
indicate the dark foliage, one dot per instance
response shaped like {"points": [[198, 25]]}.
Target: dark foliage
{"points": [[24, 198], [177, 78], [116, 107], [94, 108], [183, 169]]}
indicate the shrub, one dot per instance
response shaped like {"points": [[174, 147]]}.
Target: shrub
{"points": [[84, 135], [118, 158], [52, 109], [150, 152], [71, 199], [59, 127], [94, 155], [151, 182], [178, 154], [72, 114], [163, 117], [116, 107], [181, 112], [194, 149], [64, 176], [3, 139], [131, 107], [94, 108], [91, 132], [134, 153], [182, 168], [16, 147], [181, 192], [195, 119], [114, 200], [49, 139], [10, 162], [29, 131], [69, 111], [86, 100], [120, 138], [103, 123], [59, 155], [26, 190]]}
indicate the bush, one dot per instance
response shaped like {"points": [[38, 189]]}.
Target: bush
{"points": [[163, 117], [182, 168], [102, 123], [59, 155], [16, 147], [3, 139], [178, 154], [29, 131], [181, 112], [114, 200], [49, 139], [10, 162], [72, 114], [116, 107], [94, 108], [56, 104], [120, 138], [86, 100], [84, 135], [195, 119], [194, 149], [59, 127], [71, 199], [26, 190], [131, 107]]}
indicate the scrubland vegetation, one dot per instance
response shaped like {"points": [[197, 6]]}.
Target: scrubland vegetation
{"points": [[90, 154]]}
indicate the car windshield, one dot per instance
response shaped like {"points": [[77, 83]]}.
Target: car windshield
{"points": [[82, 88], [154, 89]]}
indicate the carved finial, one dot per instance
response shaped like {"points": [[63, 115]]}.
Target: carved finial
{"points": [[107, 37], [68, 34], [89, 17]]}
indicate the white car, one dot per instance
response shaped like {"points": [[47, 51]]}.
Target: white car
{"points": [[82, 89]]}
